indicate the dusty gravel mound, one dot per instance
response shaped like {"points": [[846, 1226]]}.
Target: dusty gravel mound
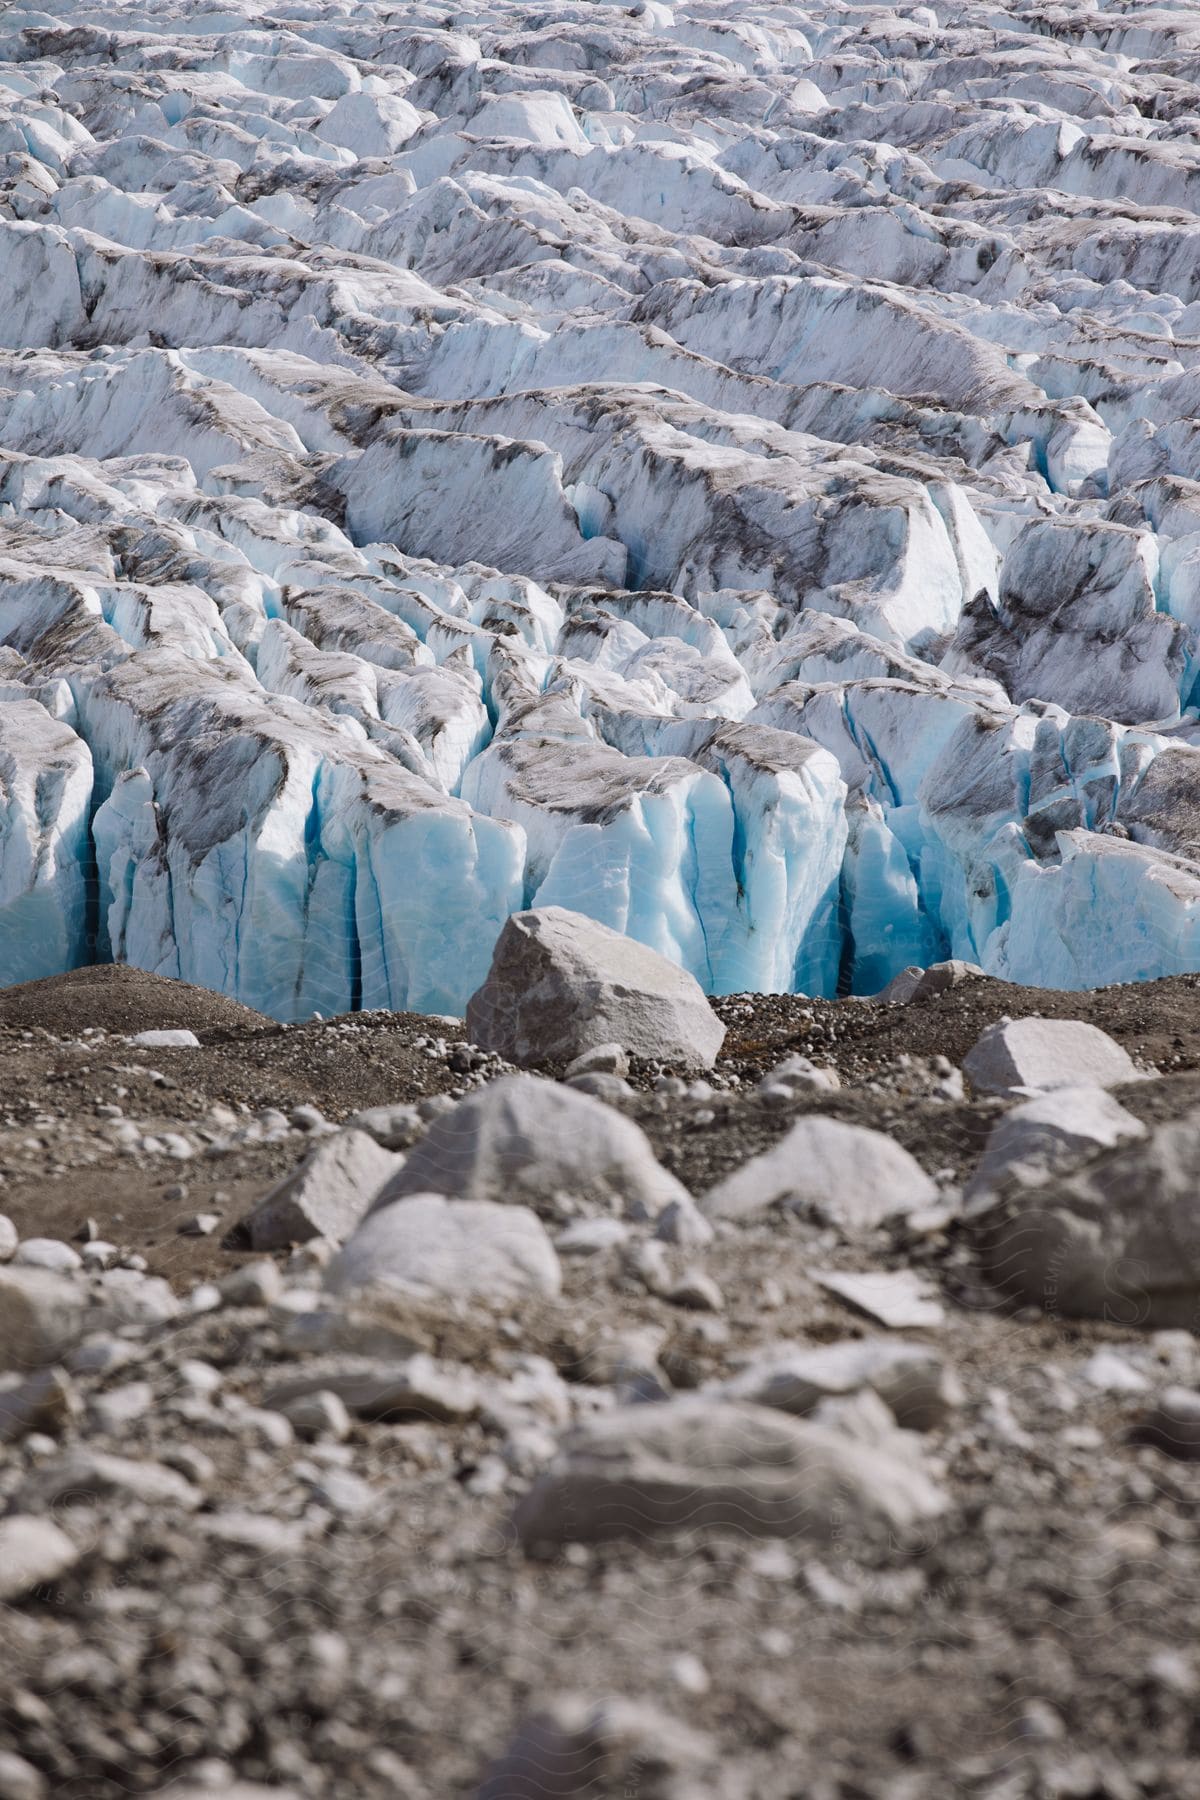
{"points": [[121, 999]]}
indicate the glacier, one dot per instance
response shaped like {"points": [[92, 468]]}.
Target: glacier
{"points": [[735, 477]]}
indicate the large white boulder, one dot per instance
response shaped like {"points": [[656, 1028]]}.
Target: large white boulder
{"points": [[1017, 1055], [843, 1175], [536, 1143], [433, 1248], [561, 984]]}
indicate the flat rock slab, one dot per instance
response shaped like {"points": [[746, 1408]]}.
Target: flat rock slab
{"points": [[531, 1142], [843, 1175], [896, 1298], [703, 1464], [427, 1245], [911, 1379], [1015, 1056], [560, 985]]}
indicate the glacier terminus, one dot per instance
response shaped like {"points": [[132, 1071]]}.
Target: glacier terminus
{"points": [[730, 471]]}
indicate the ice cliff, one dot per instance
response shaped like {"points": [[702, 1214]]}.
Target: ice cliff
{"points": [[732, 472]]}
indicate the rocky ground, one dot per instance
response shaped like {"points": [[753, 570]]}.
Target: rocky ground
{"points": [[269, 1529]]}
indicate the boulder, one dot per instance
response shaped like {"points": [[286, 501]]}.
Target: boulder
{"points": [[560, 985], [1017, 1056], [41, 1316], [1118, 1239], [33, 1551], [844, 1175], [529, 1142], [699, 1463], [1048, 1134], [327, 1196], [427, 1245]]}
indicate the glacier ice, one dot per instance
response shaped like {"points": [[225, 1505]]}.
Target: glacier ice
{"points": [[736, 477]]}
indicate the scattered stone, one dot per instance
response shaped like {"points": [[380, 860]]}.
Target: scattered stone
{"points": [[1015, 1056], [41, 1316], [166, 1040], [327, 1196], [47, 1253], [320, 1414], [19, 1780], [33, 1552], [97, 1255], [898, 1299], [683, 1224], [535, 1143], [843, 1175], [418, 1388], [1118, 1239], [1112, 1374], [1172, 1425], [1048, 1134], [82, 1474], [575, 1747], [611, 1089], [914, 983], [394, 1127], [44, 1401], [310, 1119], [696, 1291], [200, 1225], [587, 1236], [911, 1379], [602, 1059], [797, 1075], [427, 1245], [560, 984], [8, 1239], [697, 1463], [254, 1284]]}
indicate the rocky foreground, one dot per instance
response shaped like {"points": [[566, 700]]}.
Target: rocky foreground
{"points": [[384, 1420]]}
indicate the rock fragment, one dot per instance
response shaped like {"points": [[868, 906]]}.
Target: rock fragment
{"points": [[912, 1380], [41, 1316], [898, 1298], [1045, 1135], [560, 985], [915, 984], [33, 1552], [575, 1747]]}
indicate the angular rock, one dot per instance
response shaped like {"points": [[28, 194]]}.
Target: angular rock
{"points": [[603, 1059], [575, 1747], [427, 1245], [41, 1316], [33, 1551], [912, 1380], [417, 1388], [531, 1142], [395, 1127], [921, 984], [1018, 1055], [844, 1175], [702, 1464], [79, 1475], [327, 1196], [1045, 1135], [560, 984], [1118, 1239], [44, 1401]]}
